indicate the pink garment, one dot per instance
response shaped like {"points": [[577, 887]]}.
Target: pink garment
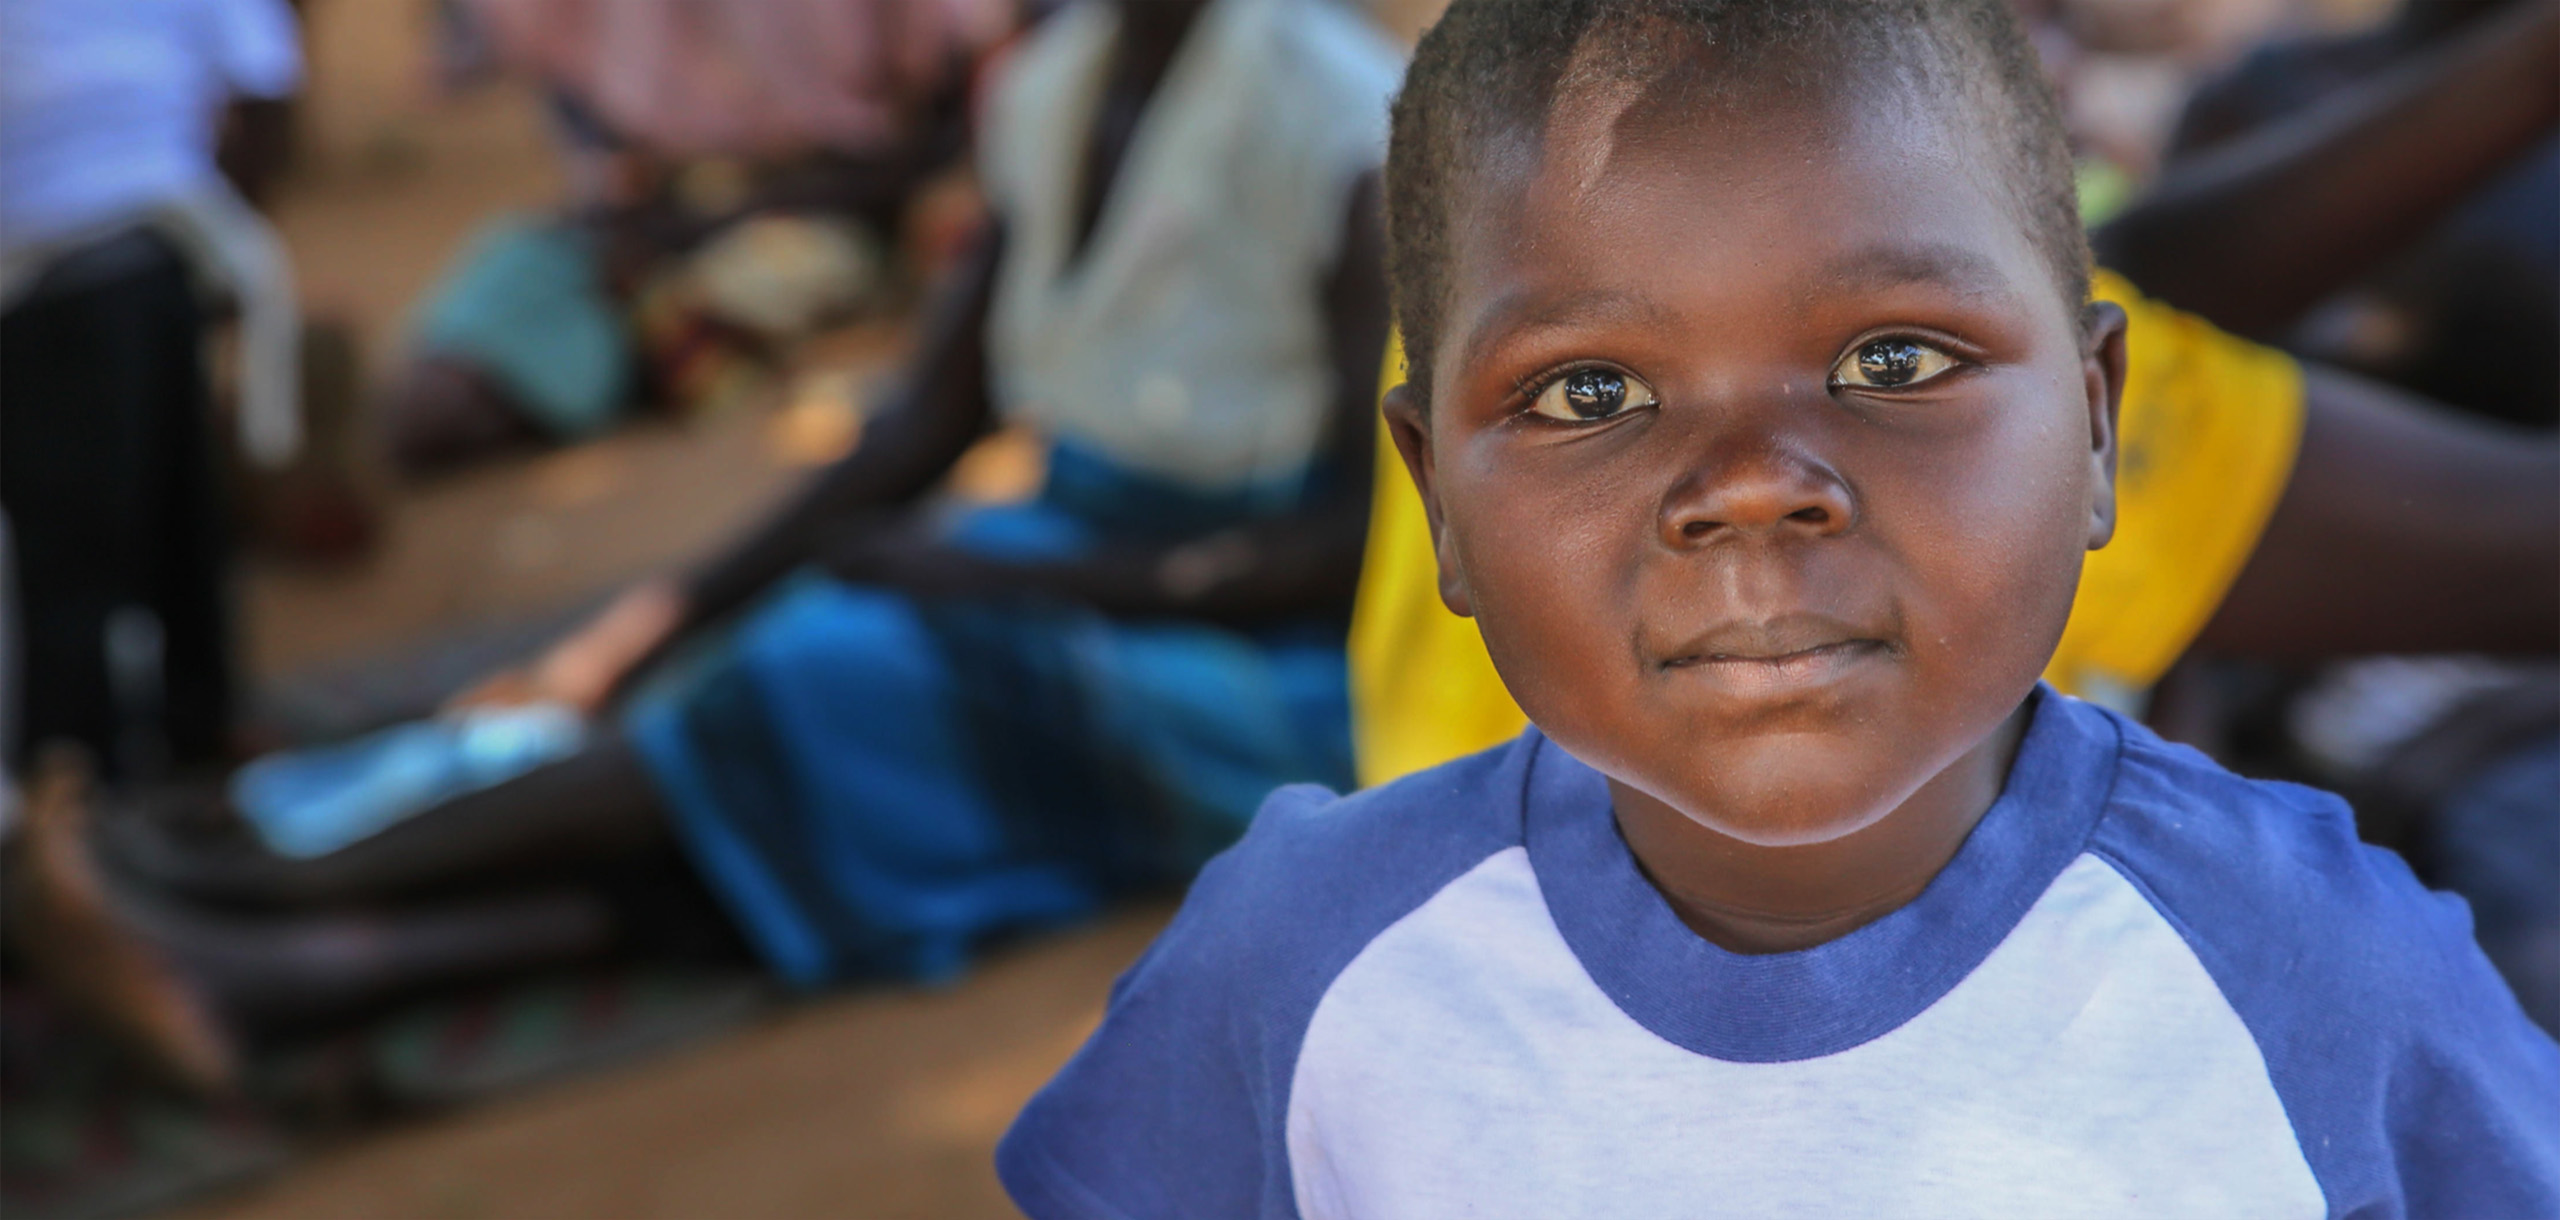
{"points": [[745, 77]]}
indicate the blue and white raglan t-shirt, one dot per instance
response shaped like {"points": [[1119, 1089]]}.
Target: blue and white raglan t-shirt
{"points": [[2143, 987]]}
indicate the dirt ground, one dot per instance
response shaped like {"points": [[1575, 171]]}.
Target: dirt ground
{"points": [[875, 1104], [879, 1105]]}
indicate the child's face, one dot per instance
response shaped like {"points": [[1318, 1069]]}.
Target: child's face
{"points": [[1764, 450]]}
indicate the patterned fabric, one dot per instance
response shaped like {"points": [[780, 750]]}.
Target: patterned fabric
{"points": [[86, 1132]]}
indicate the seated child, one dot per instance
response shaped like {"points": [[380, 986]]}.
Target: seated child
{"points": [[883, 731], [1762, 420]]}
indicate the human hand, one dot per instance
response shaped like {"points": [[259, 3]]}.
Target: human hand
{"points": [[583, 670]]}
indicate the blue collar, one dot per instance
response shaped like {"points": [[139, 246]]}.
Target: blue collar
{"points": [[1771, 1008]]}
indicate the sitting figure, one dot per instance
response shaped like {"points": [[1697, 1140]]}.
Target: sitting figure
{"points": [[881, 730]]}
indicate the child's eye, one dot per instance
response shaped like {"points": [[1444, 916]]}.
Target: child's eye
{"points": [[1589, 394], [1890, 364]]}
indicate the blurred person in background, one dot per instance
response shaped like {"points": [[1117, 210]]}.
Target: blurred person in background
{"points": [[2424, 250], [773, 142], [2123, 68], [116, 230], [2254, 236], [882, 728]]}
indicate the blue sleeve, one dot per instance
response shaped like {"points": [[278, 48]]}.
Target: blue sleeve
{"points": [[1178, 1105], [2415, 1084], [2473, 1102], [1168, 1109]]}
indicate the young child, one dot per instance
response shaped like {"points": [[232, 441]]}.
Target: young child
{"points": [[1762, 424]]}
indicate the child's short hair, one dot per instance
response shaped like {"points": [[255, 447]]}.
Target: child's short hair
{"points": [[1495, 69]]}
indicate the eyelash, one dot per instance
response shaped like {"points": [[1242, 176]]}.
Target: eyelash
{"points": [[1960, 358], [1532, 392], [1526, 390]]}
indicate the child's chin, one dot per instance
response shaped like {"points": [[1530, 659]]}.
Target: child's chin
{"points": [[1790, 832], [1787, 807]]}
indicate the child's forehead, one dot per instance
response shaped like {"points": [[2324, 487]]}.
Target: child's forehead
{"points": [[1651, 75], [1692, 114], [1787, 191]]}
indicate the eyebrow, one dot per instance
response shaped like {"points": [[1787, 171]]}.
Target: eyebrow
{"points": [[1891, 265], [1525, 309]]}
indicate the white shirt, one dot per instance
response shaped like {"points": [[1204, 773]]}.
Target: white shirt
{"points": [[109, 108], [1188, 339]]}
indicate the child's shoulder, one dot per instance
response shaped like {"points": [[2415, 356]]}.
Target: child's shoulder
{"points": [[1199, 1044], [1270, 922], [2262, 869], [2402, 1058], [2296, 918], [1339, 867]]}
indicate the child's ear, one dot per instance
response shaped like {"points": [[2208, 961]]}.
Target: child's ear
{"points": [[1412, 432], [2102, 337]]}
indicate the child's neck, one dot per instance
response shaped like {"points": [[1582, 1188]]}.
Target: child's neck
{"points": [[1754, 899]]}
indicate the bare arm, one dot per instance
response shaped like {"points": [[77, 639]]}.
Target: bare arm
{"points": [[2256, 230], [1304, 563], [2404, 529], [903, 451]]}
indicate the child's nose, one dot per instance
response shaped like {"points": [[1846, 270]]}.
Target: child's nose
{"points": [[1765, 491]]}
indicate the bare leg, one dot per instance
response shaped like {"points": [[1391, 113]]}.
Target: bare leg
{"points": [[61, 922], [290, 971], [184, 985]]}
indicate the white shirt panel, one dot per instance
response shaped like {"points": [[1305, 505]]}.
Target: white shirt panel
{"points": [[2089, 1067]]}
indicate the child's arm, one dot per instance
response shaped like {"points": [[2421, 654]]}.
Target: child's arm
{"points": [[2254, 232], [2470, 1098], [903, 451], [1176, 1106], [2404, 529], [1301, 563]]}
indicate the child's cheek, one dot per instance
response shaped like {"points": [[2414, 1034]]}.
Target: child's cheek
{"points": [[1994, 539], [1551, 580]]}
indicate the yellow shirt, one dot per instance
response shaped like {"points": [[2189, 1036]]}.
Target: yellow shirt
{"points": [[2206, 439]]}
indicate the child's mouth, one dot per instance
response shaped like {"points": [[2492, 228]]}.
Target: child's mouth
{"points": [[1777, 657], [1783, 673]]}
